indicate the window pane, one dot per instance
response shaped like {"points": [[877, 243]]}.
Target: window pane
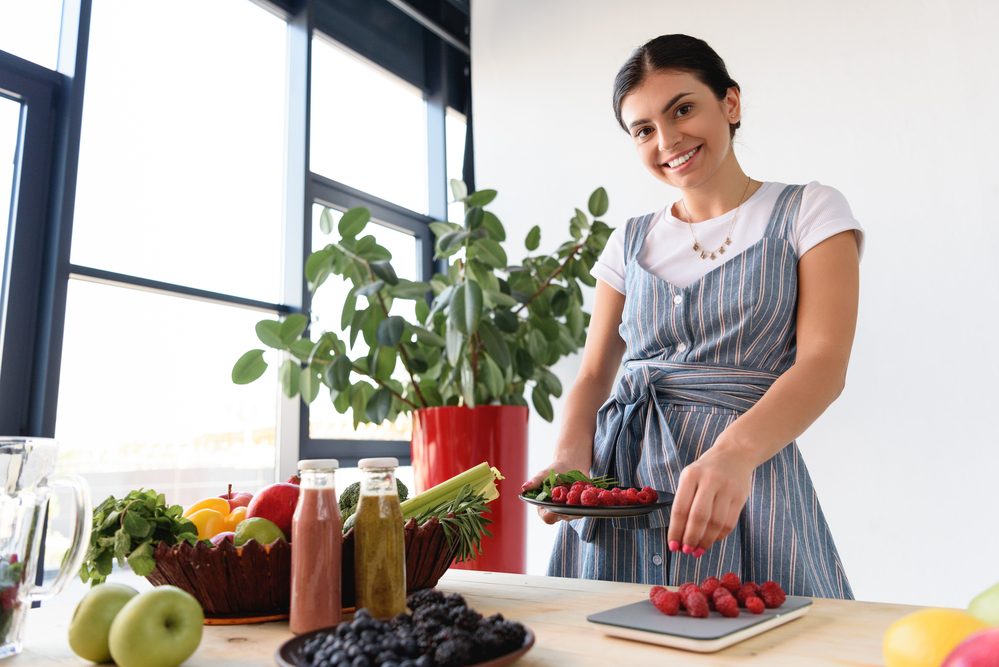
{"points": [[454, 138], [30, 29], [369, 128], [327, 305], [146, 400], [182, 150], [10, 115]]}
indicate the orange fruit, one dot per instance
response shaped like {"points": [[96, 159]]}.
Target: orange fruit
{"points": [[220, 505], [925, 637], [209, 522], [234, 518]]}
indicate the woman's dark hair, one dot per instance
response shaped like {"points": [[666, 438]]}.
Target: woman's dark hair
{"points": [[681, 53]]}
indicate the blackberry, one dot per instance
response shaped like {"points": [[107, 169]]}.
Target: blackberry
{"points": [[453, 652], [489, 644], [385, 657], [431, 613], [465, 618], [424, 661], [361, 661], [455, 600], [511, 633], [426, 596]]}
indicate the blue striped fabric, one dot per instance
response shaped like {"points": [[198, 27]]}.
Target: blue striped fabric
{"points": [[697, 357]]}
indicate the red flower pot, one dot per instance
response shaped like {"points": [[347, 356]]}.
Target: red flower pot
{"points": [[449, 440]]}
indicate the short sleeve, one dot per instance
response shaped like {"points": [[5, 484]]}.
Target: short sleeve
{"points": [[610, 265], [824, 213]]}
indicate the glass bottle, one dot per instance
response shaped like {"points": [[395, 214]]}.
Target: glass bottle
{"points": [[316, 548], [379, 558]]}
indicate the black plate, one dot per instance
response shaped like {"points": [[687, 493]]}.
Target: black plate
{"points": [[289, 654], [604, 511]]}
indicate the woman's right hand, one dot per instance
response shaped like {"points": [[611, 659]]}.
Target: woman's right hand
{"points": [[536, 481]]}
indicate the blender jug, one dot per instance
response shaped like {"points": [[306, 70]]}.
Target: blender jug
{"points": [[28, 464]]}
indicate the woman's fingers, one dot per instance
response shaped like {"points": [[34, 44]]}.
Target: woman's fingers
{"points": [[678, 514], [535, 481], [698, 521]]}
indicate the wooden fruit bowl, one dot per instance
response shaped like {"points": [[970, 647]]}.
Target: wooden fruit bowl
{"points": [[253, 582]]}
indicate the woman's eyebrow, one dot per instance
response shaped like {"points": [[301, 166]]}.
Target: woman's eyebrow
{"points": [[665, 109]]}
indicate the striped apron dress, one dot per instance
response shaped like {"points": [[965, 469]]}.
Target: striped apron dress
{"points": [[697, 357]]}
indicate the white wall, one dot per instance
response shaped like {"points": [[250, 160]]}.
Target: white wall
{"points": [[892, 102]]}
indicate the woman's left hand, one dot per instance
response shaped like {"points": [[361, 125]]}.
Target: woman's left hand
{"points": [[709, 498]]}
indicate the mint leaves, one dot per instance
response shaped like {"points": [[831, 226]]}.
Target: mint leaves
{"points": [[127, 530], [558, 479]]}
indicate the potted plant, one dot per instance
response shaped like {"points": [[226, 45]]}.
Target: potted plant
{"points": [[485, 334]]}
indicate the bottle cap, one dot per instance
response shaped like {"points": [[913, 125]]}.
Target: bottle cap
{"points": [[387, 462], [318, 464]]}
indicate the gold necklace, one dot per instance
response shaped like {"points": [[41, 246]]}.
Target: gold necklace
{"points": [[705, 254]]}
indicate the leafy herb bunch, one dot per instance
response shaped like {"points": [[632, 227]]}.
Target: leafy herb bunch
{"points": [[485, 331]]}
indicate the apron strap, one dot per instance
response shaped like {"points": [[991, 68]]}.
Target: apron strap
{"points": [[785, 212], [634, 234]]}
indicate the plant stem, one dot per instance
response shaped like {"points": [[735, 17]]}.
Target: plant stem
{"points": [[360, 371], [555, 274]]}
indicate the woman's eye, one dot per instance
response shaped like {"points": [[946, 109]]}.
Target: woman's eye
{"points": [[684, 106], [640, 134]]}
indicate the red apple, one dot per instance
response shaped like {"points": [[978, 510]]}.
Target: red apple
{"points": [[238, 499], [294, 479], [978, 650], [276, 503], [219, 538]]}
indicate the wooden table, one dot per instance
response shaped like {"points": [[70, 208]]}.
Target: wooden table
{"points": [[833, 632]]}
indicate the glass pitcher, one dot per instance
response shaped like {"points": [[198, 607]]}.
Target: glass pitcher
{"points": [[28, 464]]}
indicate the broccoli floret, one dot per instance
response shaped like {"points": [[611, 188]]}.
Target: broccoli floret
{"points": [[351, 495]]}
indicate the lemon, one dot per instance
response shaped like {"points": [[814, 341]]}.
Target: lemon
{"points": [[925, 637]]}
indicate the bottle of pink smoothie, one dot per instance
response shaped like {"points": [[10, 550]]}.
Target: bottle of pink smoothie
{"points": [[316, 544]]}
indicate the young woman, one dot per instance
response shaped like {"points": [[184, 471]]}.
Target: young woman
{"points": [[733, 311]]}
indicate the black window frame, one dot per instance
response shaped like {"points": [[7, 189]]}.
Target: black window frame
{"points": [[424, 42]]}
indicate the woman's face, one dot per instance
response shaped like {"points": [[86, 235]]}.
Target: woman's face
{"points": [[671, 114]]}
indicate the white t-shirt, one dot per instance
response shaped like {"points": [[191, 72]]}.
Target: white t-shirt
{"points": [[668, 248]]}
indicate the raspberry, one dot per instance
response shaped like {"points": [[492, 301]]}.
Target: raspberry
{"points": [[772, 594], [605, 498], [755, 605], [697, 605], [574, 497], [667, 602], [686, 589], [590, 496], [726, 605], [747, 590], [559, 494], [652, 492], [631, 496], [731, 581], [655, 590], [618, 496], [644, 497], [709, 585]]}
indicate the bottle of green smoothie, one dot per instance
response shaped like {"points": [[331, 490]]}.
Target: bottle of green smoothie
{"points": [[379, 558]]}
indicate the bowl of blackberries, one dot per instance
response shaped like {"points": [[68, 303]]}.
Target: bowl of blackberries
{"points": [[440, 630]]}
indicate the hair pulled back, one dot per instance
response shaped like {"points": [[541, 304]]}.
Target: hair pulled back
{"points": [[677, 52]]}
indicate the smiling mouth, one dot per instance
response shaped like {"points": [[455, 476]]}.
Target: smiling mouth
{"points": [[682, 160]]}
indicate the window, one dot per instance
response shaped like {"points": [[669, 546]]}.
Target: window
{"points": [[30, 30], [10, 120], [180, 192], [455, 128]]}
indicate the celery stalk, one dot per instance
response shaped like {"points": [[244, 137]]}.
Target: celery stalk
{"points": [[481, 480]]}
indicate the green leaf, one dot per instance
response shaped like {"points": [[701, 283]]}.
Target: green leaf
{"points": [[450, 243], [473, 306], [141, 560], [524, 363], [488, 251], [407, 289], [500, 300], [428, 337], [384, 271], [353, 221], [368, 248], [317, 268], [359, 395], [349, 306], [537, 346], [456, 310], [492, 378], [288, 374], [473, 218], [441, 228], [533, 238], [582, 220], [342, 401], [293, 327], [550, 382], [574, 319], [370, 289], [269, 333], [422, 310], [493, 226], [495, 344], [455, 341], [384, 363], [309, 384], [249, 367], [467, 383], [598, 202], [302, 349], [390, 331], [326, 221], [459, 189], [560, 303], [338, 373], [542, 403], [481, 198], [378, 407], [506, 321], [136, 526]]}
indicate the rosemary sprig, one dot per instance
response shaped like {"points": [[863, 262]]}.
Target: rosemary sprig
{"points": [[462, 518]]}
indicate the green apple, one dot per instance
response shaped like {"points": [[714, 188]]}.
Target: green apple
{"points": [[91, 622], [985, 605], [258, 529], [160, 628]]}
